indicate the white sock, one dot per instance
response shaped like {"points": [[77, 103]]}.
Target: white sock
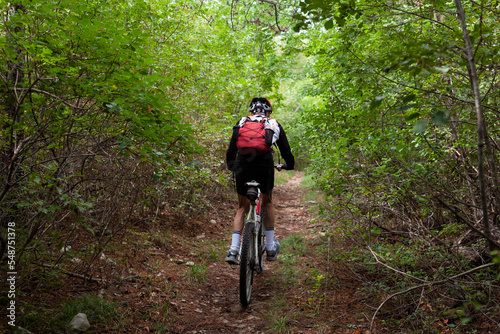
{"points": [[270, 239], [235, 241]]}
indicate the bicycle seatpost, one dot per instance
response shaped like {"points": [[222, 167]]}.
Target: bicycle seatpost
{"points": [[252, 191]]}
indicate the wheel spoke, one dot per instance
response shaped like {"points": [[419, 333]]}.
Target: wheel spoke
{"points": [[247, 264]]}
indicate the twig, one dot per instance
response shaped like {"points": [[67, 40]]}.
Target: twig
{"points": [[51, 95], [340, 316], [129, 278], [314, 226], [394, 269], [71, 274], [428, 284], [278, 3]]}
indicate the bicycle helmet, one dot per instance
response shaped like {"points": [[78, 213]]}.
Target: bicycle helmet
{"points": [[261, 105]]}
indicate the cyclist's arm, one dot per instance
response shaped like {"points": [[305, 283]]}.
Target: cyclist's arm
{"points": [[285, 150], [232, 151]]}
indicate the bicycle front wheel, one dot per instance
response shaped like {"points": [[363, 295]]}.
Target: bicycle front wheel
{"points": [[247, 261]]}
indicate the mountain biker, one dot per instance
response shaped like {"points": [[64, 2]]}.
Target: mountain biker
{"points": [[247, 167]]}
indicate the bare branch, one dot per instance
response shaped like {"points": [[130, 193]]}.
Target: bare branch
{"points": [[429, 284], [71, 274], [279, 3], [51, 95]]}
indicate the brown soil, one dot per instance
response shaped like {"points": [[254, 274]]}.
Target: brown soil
{"points": [[212, 306], [159, 293]]}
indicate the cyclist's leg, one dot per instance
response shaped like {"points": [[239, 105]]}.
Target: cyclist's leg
{"points": [[238, 222], [267, 185], [239, 218], [267, 202], [243, 206], [272, 245]]}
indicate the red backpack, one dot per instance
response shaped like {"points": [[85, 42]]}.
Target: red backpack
{"points": [[252, 137]]}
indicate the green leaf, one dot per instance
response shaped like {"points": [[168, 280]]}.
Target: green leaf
{"points": [[440, 118], [407, 107], [413, 116], [376, 102], [329, 24], [420, 126], [409, 98], [495, 256]]}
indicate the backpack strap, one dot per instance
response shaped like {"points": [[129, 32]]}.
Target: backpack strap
{"points": [[244, 120]]}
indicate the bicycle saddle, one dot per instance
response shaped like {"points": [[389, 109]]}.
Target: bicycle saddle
{"points": [[252, 190]]}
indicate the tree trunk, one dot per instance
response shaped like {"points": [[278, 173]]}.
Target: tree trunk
{"points": [[481, 125]]}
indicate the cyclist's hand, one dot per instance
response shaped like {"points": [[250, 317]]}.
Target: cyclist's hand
{"points": [[280, 167]]}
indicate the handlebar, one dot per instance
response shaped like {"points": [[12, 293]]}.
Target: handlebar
{"points": [[279, 167]]}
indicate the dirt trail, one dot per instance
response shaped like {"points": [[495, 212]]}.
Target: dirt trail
{"points": [[219, 310], [164, 298], [215, 307], [169, 276]]}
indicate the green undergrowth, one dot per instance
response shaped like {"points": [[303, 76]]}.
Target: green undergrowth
{"points": [[401, 272], [100, 312], [303, 283], [292, 249], [197, 272], [283, 176], [289, 275], [313, 196]]}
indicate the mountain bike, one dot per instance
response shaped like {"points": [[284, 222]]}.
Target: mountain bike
{"points": [[252, 246]]}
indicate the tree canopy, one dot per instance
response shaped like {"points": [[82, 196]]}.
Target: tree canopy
{"points": [[112, 110]]}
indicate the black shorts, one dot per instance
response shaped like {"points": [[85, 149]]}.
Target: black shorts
{"points": [[264, 174]]}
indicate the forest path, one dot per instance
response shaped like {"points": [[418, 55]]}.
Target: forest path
{"points": [[277, 305]]}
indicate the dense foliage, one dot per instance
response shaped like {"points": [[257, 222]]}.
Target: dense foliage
{"points": [[393, 129], [116, 113], [108, 110]]}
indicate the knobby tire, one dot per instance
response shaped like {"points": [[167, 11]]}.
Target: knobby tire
{"points": [[247, 257]]}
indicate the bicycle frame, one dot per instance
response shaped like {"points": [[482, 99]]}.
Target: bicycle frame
{"points": [[252, 248], [252, 245], [253, 217]]}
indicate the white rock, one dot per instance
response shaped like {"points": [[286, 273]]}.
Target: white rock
{"points": [[79, 322]]}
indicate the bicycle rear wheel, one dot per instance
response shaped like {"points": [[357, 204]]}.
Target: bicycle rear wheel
{"points": [[247, 260]]}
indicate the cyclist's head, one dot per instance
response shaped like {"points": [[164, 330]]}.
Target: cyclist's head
{"points": [[261, 105]]}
